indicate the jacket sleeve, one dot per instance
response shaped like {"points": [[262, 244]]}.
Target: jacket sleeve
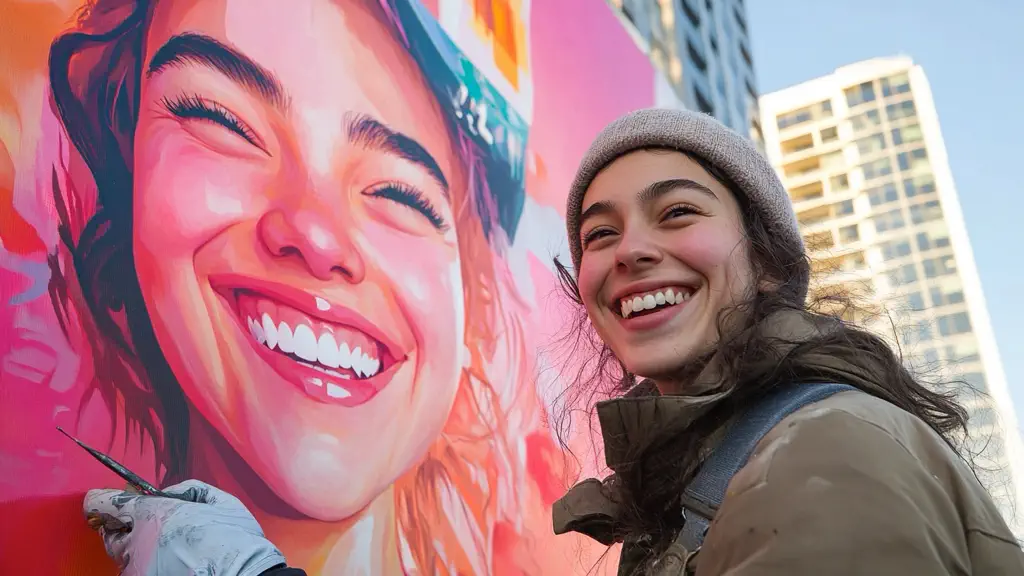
{"points": [[282, 570], [835, 494]]}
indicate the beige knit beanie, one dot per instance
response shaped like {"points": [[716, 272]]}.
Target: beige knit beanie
{"points": [[695, 134]]}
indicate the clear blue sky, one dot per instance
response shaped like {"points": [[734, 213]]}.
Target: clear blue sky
{"points": [[972, 53]]}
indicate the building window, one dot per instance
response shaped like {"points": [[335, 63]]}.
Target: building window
{"points": [[925, 212], [895, 249], [820, 110], [884, 194], [871, 144], [628, 14], [829, 135], [866, 120], [976, 381], [877, 168], [906, 135], [965, 352], [919, 185], [941, 298], [912, 160], [750, 89], [891, 220], [849, 234], [925, 242], [858, 95], [903, 275], [915, 302], [936, 267], [703, 103], [983, 417], [745, 54], [696, 57], [951, 324], [692, 15], [893, 85], [900, 111], [839, 183], [740, 20], [793, 118], [915, 333], [844, 208]]}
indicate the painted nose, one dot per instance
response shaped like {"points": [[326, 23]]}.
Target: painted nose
{"points": [[315, 239]]}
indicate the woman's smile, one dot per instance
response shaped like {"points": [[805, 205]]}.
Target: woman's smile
{"points": [[334, 354]]}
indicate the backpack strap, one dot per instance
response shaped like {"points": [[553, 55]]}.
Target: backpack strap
{"points": [[704, 495]]}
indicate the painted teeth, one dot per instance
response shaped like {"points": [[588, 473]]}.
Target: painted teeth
{"points": [[324, 351], [652, 300]]}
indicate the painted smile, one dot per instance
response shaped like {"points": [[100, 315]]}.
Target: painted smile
{"points": [[334, 355]]}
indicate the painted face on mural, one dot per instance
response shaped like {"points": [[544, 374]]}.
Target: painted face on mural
{"points": [[294, 240]]}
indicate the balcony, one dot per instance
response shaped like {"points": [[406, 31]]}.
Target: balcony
{"points": [[815, 216], [807, 192], [801, 168], [798, 144]]}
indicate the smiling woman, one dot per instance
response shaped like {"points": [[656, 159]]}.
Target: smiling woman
{"points": [[278, 265]]}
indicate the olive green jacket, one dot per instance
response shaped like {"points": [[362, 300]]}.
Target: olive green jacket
{"points": [[848, 485], [852, 484]]}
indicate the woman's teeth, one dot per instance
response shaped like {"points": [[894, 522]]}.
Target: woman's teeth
{"points": [[302, 342], [652, 300]]}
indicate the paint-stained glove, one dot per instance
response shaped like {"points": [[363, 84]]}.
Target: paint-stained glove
{"points": [[209, 532]]}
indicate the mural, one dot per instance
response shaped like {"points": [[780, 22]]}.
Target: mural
{"points": [[300, 250]]}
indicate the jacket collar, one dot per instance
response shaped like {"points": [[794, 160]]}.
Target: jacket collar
{"points": [[591, 507]]}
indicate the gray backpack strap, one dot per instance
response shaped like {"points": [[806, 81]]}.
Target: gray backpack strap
{"points": [[705, 493]]}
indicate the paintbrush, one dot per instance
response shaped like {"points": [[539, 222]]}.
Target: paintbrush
{"points": [[132, 478]]}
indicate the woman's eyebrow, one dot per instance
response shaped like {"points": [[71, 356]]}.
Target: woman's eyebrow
{"points": [[646, 195], [373, 134], [192, 48], [656, 190]]}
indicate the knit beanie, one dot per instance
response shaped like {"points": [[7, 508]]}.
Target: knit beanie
{"points": [[694, 134]]}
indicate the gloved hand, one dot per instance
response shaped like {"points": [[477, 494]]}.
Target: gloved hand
{"points": [[210, 532]]}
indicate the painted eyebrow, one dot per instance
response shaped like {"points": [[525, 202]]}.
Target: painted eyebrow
{"points": [[371, 133], [193, 48], [648, 194]]}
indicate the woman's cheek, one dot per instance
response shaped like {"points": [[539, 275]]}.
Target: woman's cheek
{"points": [[426, 276], [186, 193]]}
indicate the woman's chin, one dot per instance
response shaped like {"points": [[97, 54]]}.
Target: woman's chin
{"points": [[327, 500]]}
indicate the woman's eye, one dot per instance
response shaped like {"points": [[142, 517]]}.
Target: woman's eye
{"points": [[193, 107], [411, 198], [679, 211], [595, 235]]}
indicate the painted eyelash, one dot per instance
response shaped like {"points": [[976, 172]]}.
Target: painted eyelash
{"points": [[193, 107], [412, 198]]}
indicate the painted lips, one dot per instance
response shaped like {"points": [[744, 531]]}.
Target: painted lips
{"points": [[328, 354]]}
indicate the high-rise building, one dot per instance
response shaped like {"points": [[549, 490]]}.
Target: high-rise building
{"points": [[862, 155], [703, 49]]}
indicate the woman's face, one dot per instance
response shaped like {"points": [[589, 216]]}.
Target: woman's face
{"points": [[663, 253], [294, 240]]}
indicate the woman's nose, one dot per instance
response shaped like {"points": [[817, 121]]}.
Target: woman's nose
{"points": [[316, 239], [637, 252]]}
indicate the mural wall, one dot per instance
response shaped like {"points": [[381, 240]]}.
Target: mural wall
{"points": [[300, 250]]}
